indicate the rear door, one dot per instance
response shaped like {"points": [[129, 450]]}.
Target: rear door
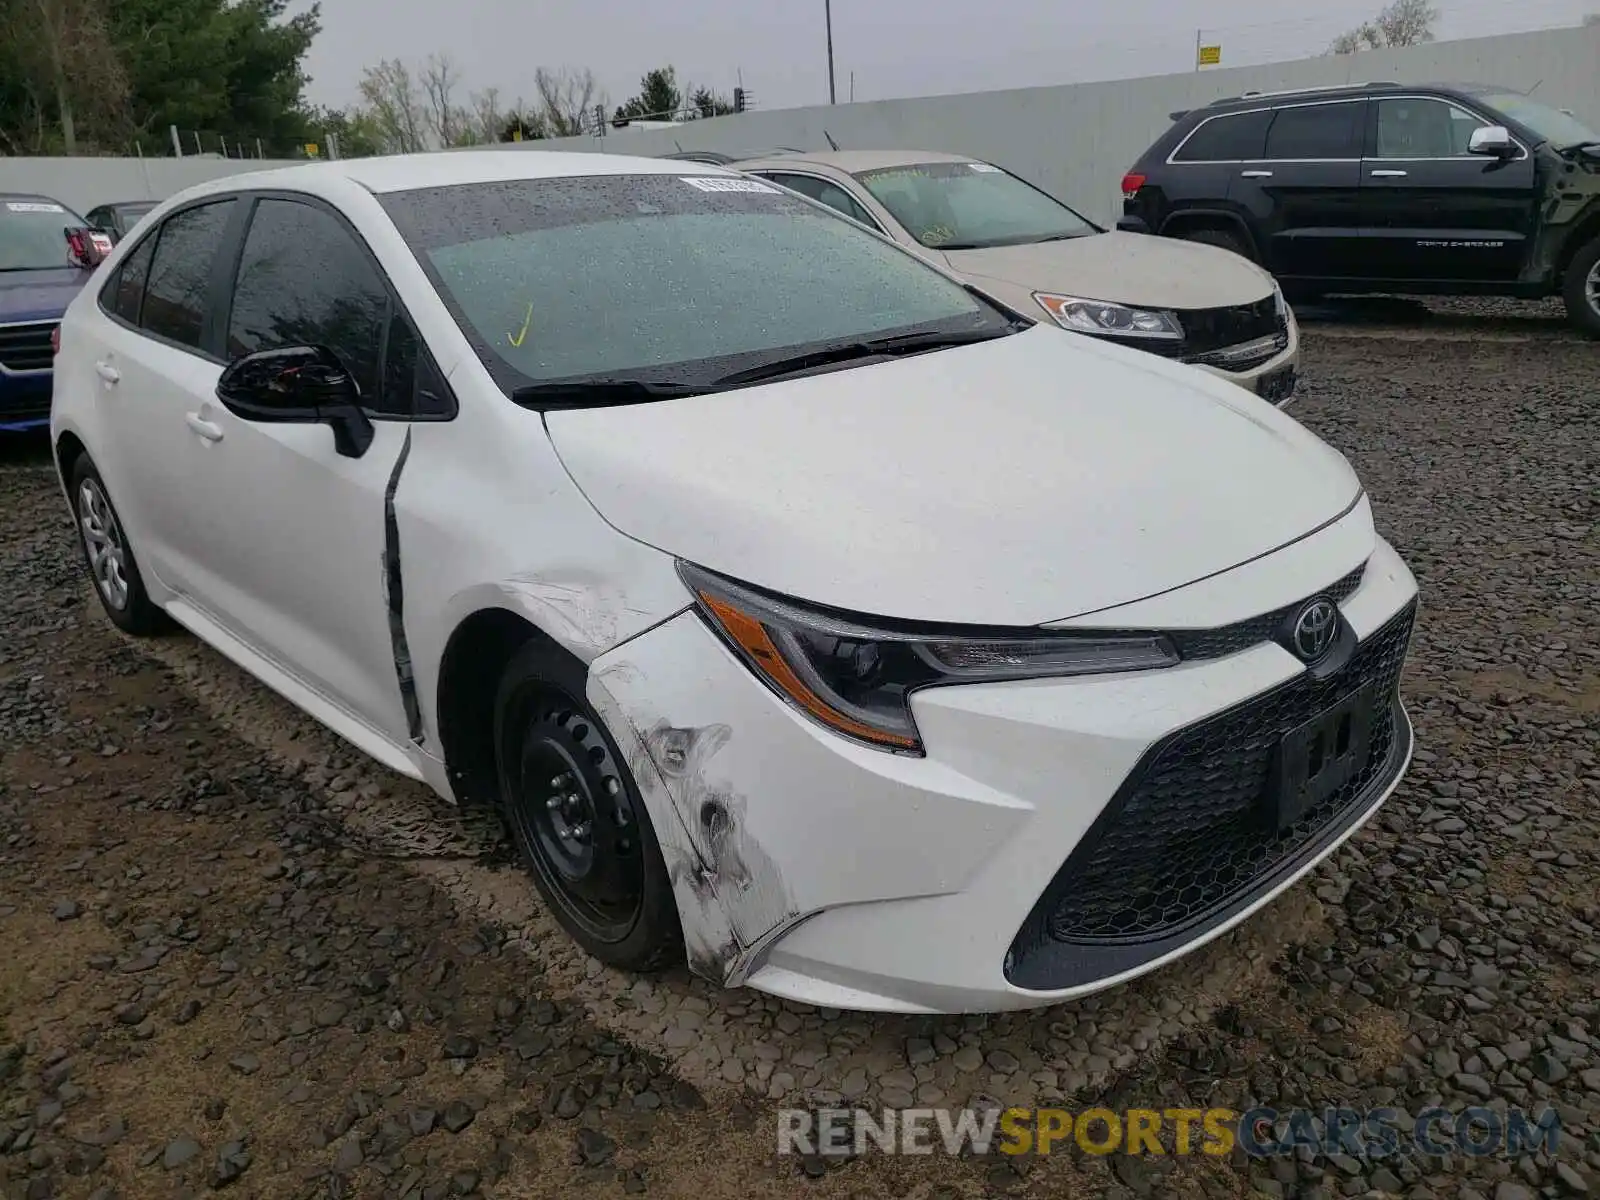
{"points": [[1303, 192], [1435, 213], [151, 367], [824, 191]]}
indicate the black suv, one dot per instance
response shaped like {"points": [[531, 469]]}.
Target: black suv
{"points": [[1437, 189]]}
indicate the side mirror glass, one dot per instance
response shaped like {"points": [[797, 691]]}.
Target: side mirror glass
{"points": [[1492, 140], [299, 384]]}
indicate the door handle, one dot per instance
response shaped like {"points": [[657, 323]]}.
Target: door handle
{"points": [[107, 372], [1255, 174], [1388, 174], [204, 428]]}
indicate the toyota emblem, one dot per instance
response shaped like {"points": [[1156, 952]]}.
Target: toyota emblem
{"points": [[1314, 629]]}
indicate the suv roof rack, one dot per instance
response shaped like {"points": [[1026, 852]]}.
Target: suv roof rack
{"points": [[1329, 87]]}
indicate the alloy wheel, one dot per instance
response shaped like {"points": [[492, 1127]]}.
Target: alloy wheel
{"points": [[1591, 288], [575, 818], [104, 544]]}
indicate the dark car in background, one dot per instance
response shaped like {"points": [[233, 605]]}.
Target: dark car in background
{"points": [[38, 278], [119, 217], [1437, 189]]}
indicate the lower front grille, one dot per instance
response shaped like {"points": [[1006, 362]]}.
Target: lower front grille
{"points": [[1206, 330], [1189, 838], [27, 347]]}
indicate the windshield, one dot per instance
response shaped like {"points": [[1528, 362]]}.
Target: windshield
{"points": [[31, 234], [1559, 128], [970, 206], [677, 279]]}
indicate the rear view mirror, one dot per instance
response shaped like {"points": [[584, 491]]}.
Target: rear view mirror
{"points": [[306, 384], [1491, 140]]}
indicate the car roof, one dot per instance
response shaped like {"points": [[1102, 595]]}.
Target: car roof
{"points": [[403, 172], [1343, 91], [852, 161]]}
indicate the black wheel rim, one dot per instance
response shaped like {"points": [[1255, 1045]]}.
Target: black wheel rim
{"points": [[574, 816]]}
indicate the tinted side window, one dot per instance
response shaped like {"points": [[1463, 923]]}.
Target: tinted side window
{"points": [[124, 294], [175, 297], [1232, 138], [1316, 131], [304, 280], [1409, 127], [831, 194]]}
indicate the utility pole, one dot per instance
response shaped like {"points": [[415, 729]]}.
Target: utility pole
{"points": [[827, 13]]}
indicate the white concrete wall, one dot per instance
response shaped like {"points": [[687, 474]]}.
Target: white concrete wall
{"points": [[83, 183], [1078, 140]]}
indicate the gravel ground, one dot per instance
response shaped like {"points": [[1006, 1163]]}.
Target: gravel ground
{"points": [[233, 953]]}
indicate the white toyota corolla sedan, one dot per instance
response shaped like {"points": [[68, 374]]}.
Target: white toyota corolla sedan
{"points": [[808, 615]]}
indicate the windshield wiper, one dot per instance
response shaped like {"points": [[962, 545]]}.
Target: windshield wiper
{"points": [[601, 393], [882, 347]]}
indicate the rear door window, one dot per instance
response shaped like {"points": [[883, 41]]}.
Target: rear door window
{"points": [[180, 273], [1233, 138], [1316, 131]]}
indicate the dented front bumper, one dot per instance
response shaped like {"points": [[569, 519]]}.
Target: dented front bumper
{"points": [[817, 869]]}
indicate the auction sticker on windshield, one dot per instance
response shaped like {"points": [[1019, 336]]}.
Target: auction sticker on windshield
{"points": [[707, 184], [32, 207], [985, 167]]}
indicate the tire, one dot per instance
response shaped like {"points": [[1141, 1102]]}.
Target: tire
{"points": [[109, 557], [1581, 288], [1223, 239], [576, 816]]}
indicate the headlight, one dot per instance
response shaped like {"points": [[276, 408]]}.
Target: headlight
{"points": [[1106, 319], [1278, 300], [856, 676]]}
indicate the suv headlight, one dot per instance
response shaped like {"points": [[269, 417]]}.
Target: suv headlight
{"points": [[1106, 319], [856, 675]]}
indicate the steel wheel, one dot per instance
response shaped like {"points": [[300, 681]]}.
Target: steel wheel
{"points": [[574, 818], [1591, 288], [103, 542]]}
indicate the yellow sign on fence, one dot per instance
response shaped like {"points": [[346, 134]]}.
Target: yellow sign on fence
{"points": [[1210, 56], [311, 150]]}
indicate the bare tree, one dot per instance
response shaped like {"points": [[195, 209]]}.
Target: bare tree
{"points": [[392, 107], [448, 122], [1403, 23], [566, 99]]}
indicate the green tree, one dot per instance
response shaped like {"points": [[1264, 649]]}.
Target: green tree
{"points": [[706, 103], [659, 99]]}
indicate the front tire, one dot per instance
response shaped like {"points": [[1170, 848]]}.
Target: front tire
{"points": [[1581, 288], [577, 818], [107, 554]]}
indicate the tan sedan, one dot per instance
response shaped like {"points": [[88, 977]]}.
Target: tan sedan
{"points": [[1182, 300]]}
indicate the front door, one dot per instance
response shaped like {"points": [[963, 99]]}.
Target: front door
{"points": [[294, 543], [1303, 194], [1435, 213]]}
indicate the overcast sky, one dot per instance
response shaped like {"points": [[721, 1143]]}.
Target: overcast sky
{"points": [[894, 47]]}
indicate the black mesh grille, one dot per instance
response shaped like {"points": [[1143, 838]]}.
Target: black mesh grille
{"points": [[1206, 329], [26, 347], [1191, 831], [1241, 635]]}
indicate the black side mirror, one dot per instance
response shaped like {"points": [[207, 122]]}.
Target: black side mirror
{"points": [[302, 384]]}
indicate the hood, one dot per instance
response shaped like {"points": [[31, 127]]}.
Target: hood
{"points": [[39, 295], [1014, 482], [1129, 268]]}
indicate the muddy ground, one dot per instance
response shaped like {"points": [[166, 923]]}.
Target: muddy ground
{"points": [[235, 956]]}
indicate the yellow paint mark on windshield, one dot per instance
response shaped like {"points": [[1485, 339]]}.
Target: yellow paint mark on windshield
{"points": [[516, 338]]}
